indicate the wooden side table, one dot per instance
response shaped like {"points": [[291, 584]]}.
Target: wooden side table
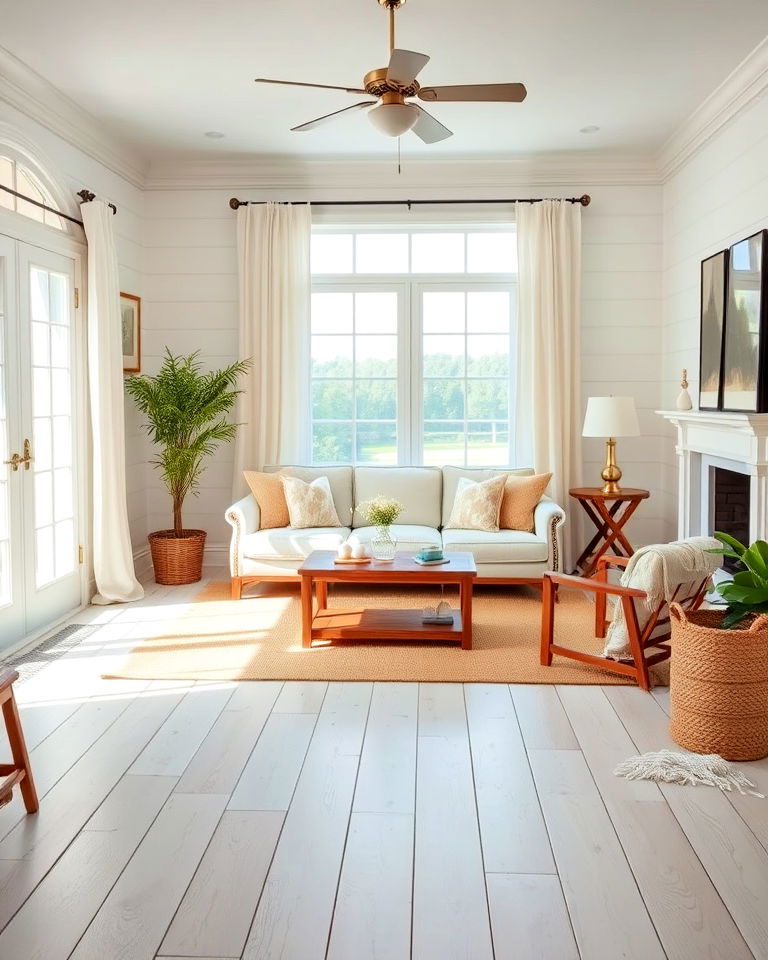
{"points": [[609, 520]]}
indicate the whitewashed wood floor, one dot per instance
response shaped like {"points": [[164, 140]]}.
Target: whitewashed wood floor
{"points": [[355, 821]]}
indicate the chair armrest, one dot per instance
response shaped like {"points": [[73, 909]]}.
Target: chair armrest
{"points": [[593, 586], [244, 517], [548, 519], [610, 561]]}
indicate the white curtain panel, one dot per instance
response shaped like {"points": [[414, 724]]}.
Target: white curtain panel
{"points": [[112, 555], [549, 358], [273, 241]]}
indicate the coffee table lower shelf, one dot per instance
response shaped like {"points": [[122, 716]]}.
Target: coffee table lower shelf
{"points": [[375, 624]]}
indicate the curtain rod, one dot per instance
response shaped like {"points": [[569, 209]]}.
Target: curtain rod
{"points": [[584, 200], [86, 196]]}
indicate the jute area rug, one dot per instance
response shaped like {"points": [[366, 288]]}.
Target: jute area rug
{"points": [[259, 638]]}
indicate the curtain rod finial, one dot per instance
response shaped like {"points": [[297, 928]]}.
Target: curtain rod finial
{"points": [[235, 203], [585, 200], [86, 196]]}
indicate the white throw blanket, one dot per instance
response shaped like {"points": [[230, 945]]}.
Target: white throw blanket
{"points": [[659, 570]]}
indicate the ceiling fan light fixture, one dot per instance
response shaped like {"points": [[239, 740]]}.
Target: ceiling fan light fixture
{"points": [[394, 119]]}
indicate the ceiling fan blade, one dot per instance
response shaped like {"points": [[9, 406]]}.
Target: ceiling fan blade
{"points": [[404, 66], [487, 92], [311, 124], [428, 129], [321, 86]]}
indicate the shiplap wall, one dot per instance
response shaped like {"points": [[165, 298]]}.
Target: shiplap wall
{"points": [[718, 197], [190, 303]]}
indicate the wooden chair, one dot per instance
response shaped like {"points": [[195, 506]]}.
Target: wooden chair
{"points": [[18, 773], [655, 632]]}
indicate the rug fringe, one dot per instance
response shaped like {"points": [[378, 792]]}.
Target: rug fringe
{"points": [[688, 769]]}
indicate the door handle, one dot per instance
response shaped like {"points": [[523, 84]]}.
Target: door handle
{"points": [[16, 461]]}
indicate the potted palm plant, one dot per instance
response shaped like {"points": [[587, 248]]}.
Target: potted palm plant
{"points": [[186, 413]]}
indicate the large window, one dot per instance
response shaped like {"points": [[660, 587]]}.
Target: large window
{"points": [[413, 346]]}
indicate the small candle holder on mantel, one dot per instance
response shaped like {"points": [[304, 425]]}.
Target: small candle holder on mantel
{"points": [[684, 398]]}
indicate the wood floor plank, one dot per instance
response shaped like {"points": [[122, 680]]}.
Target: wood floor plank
{"points": [[529, 918], [688, 914], [303, 879], [542, 719], [217, 910], [57, 914], [217, 765], [134, 917], [386, 782], [269, 777], [735, 862], [607, 912], [450, 905], [512, 829], [40, 840], [170, 750], [372, 919], [301, 696]]}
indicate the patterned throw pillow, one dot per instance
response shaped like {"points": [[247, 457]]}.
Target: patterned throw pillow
{"points": [[310, 504], [267, 490], [521, 494], [477, 505]]}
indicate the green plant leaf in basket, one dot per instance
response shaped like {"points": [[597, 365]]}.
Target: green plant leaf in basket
{"points": [[736, 545]]}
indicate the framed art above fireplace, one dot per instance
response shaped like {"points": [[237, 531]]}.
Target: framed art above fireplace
{"points": [[713, 284]]}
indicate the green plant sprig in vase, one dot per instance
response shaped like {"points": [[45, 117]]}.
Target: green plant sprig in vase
{"points": [[382, 512], [746, 593]]}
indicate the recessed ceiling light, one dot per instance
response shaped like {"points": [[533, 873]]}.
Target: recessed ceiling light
{"points": [[591, 128], [214, 134]]}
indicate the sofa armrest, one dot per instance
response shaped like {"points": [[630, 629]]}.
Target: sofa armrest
{"points": [[244, 517], [548, 519]]}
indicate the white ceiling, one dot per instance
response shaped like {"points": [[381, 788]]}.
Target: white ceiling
{"points": [[159, 73]]}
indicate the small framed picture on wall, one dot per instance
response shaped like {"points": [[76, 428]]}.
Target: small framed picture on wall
{"points": [[745, 385], [713, 286], [130, 315]]}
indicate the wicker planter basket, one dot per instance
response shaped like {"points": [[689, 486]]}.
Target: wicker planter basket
{"points": [[719, 685], [177, 560]]}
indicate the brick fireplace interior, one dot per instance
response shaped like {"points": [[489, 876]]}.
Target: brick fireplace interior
{"points": [[730, 507]]}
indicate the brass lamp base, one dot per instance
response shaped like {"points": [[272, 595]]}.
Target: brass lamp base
{"points": [[611, 471]]}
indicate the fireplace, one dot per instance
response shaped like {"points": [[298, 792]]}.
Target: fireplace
{"points": [[729, 507]]}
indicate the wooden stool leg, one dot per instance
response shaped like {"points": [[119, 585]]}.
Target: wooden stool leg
{"points": [[547, 621], [19, 753]]}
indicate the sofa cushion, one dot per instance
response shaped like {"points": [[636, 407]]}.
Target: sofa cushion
{"points": [[408, 536], [267, 490], [477, 505], [417, 488], [521, 496], [451, 477], [310, 505], [340, 479], [506, 546], [285, 543]]}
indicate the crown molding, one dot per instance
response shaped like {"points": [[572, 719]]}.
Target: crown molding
{"points": [[346, 178], [747, 82], [32, 95]]}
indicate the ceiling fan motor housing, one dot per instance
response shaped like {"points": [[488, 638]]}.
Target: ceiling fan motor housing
{"points": [[377, 85]]}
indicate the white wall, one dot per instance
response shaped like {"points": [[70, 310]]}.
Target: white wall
{"points": [[190, 302], [718, 197]]}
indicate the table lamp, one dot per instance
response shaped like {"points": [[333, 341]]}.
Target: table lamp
{"points": [[611, 417]]}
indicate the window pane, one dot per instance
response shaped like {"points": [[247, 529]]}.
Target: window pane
{"points": [[444, 356], [381, 253], [44, 499], [488, 444], [38, 292], [332, 400], [59, 304], [41, 392], [487, 356], [443, 399], [443, 444], [44, 556], [443, 312], [29, 189], [65, 548], [491, 253], [376, 356], [331, 313], [331, 253], [376, 443], [331, 356], [6, 179], [437, 253], [376, 312], [332, 443], [376, 399], [488, 312], [487, 399]]}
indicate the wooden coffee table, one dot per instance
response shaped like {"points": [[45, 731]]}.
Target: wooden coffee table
{"points": [[356, 623]]}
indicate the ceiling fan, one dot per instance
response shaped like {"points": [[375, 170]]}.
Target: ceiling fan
{"points": [[395, 85]]}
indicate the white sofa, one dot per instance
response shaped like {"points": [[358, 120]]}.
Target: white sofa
{"points": [[427, 493]]}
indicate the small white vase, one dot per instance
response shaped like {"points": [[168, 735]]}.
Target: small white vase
{"points": [[684, 400], [383, 545]]}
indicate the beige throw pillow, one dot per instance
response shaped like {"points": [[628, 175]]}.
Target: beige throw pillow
{"points": [[267, 490], [477, 505], [310, 504], [521, 494]]}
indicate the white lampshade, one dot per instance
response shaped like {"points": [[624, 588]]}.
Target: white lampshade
{"points": [[611, 417], [394, 119]]}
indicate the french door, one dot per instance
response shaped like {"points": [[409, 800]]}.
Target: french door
{"points": [[40, 577]]}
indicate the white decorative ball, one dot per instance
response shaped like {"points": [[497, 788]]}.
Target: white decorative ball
{"points": [[359, 552], [345, 550]]}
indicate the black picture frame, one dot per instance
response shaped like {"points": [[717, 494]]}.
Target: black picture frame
{"points": [[714, 294], [744, 385]]}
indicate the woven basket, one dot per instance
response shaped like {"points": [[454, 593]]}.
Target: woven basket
{"points": [[177, 560], [719, 685]]}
